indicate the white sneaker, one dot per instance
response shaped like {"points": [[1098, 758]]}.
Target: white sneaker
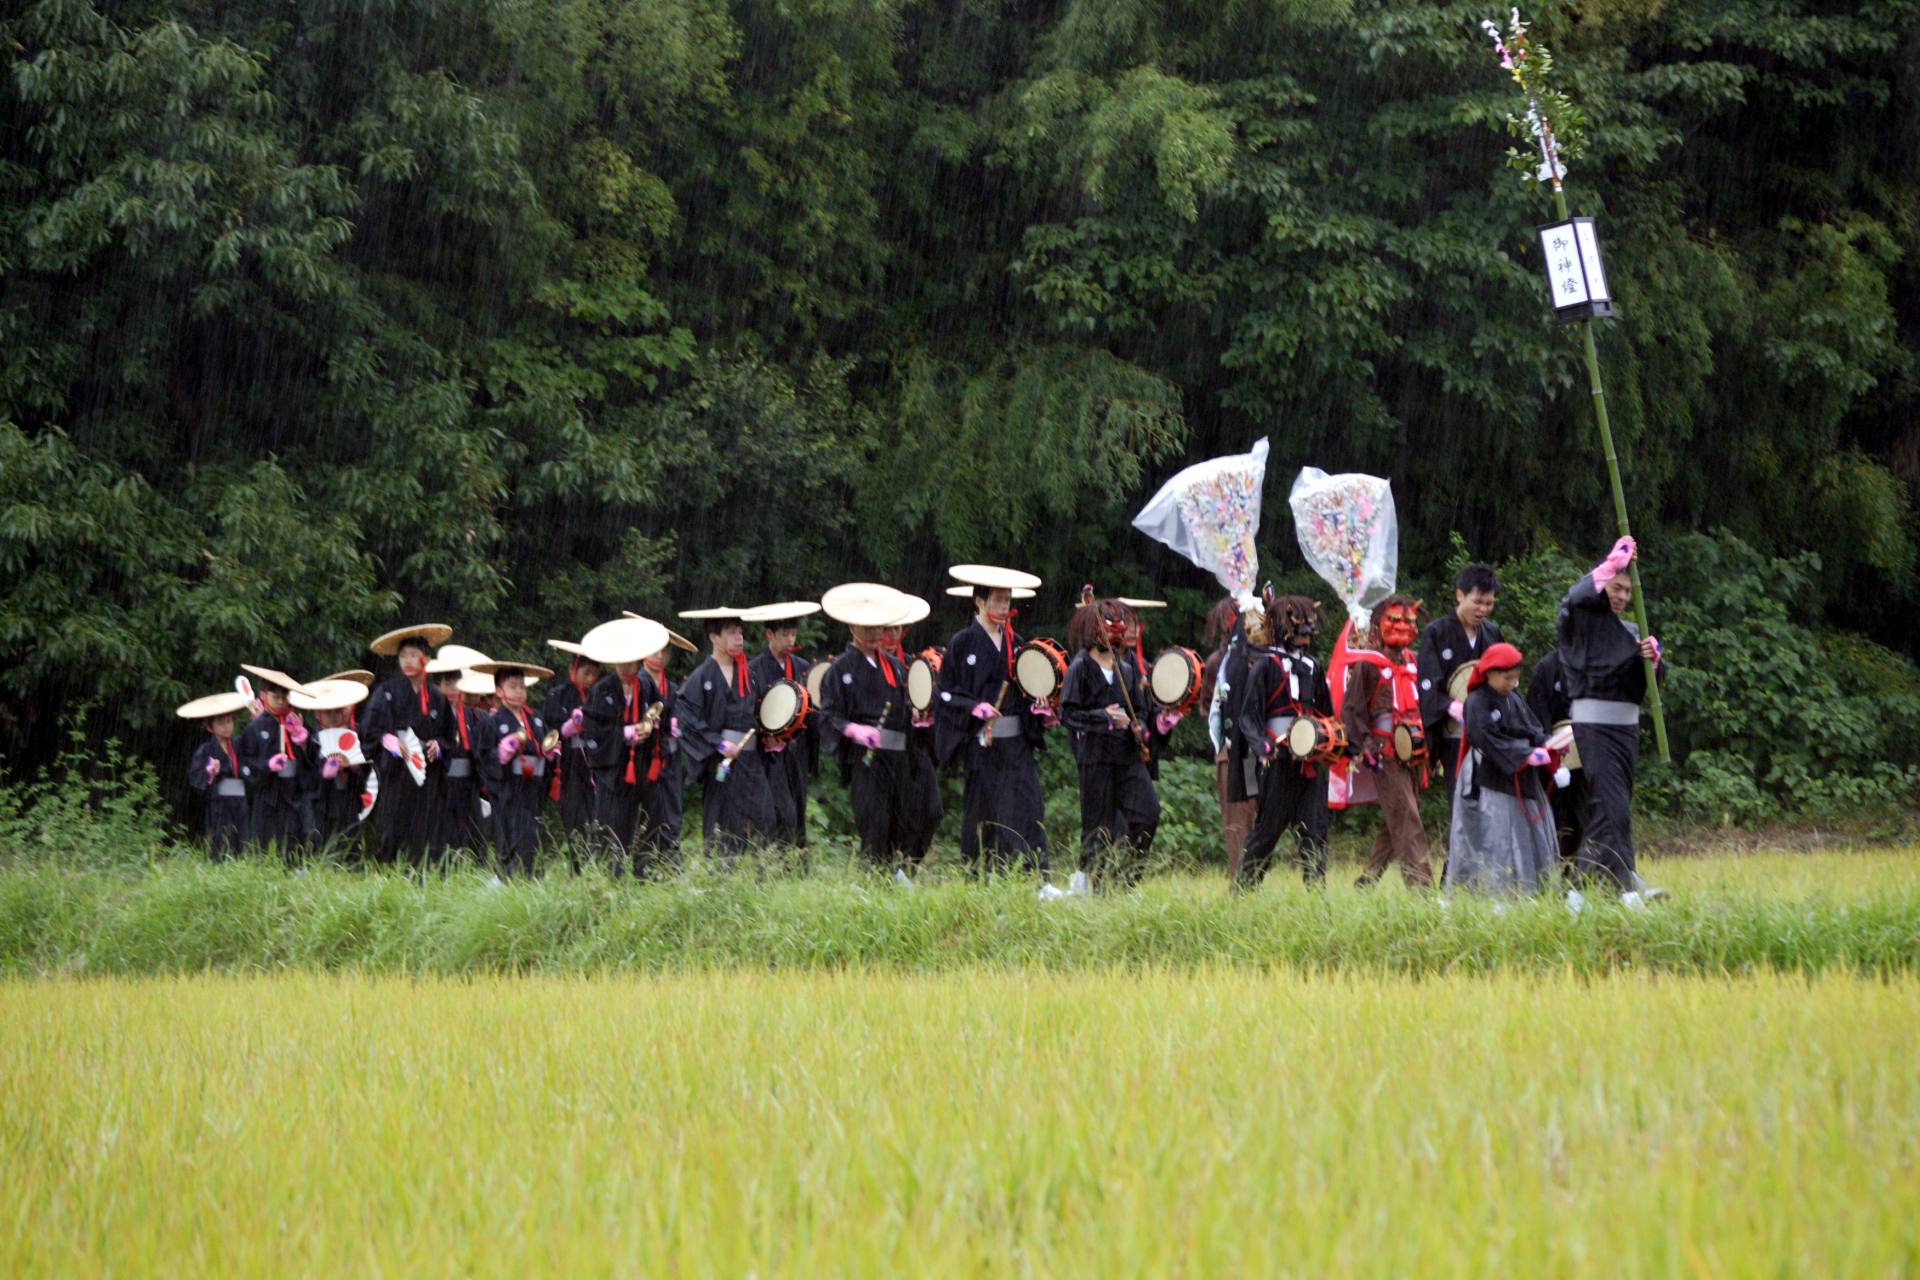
{"points": [[1499, 908], [494, 882], [1048, 892], [1645, 890], [1632, 901], [1078, 885], [1576, 902], [901, 878]]}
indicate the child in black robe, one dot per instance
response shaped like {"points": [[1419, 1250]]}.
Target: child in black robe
{"points": [[1281, 684], [867, 721], [1106, 706], [1451, 641], [717, 710], [788, 770], [1547, 698], [571, 781], [277, 761], [515, 754], [339, 784], [214, 773], [984, 723], [1501, 837], [410, 813], [925, 808], [470, 703], [620, 724]]}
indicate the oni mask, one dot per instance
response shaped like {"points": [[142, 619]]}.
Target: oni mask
{"points": [[1399, 623], [1255, 624], [1111, 628], [1295, 619]]}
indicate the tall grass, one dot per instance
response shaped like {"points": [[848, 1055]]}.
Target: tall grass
{"points": [[1729, 915], [1213, 1122]]}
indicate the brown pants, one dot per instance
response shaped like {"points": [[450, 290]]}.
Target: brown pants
{"points": [[1236, 816], [1402, 839]]}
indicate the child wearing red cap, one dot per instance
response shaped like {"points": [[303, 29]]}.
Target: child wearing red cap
{"points": [[1502, 839]]}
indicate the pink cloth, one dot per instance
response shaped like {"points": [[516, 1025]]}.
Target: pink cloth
{"points": [[331, 769], [984, 711], [279, 761], [864, 734], [1617, 559], [392, 744]]}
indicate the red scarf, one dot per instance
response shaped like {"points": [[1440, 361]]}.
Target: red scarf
{"points": [[659, 675], [460, 719], [280, 719], [631, 715], [226, 745]]}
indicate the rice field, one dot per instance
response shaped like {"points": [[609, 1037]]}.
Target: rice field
{"points": [[1195, 1121]]}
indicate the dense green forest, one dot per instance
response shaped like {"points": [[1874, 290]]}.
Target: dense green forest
{"points": [[516, 312]]}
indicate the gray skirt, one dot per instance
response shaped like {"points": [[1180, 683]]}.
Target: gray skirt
{"points": [[1500, 842]]}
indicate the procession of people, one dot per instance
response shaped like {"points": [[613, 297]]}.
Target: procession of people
{"points": [[452, 753]]}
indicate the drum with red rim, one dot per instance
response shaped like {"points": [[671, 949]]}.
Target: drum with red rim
{"points": [[1175, 680], [1040, 668], [783, 711], [923, 680]]}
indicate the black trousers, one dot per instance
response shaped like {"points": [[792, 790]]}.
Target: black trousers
{"points": [[516, 823], [282, 815], [787, 791], [576, 793], [1609, 755], [1290, 801], [228, 825], [461, 826], [738, 811], [409, 815], [336, 809], [881, 787], [616, 809], [662, 802], [1119, 814], [925, 807], [1003, 816]]}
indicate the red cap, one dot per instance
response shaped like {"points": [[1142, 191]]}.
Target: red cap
{"points": [[1499, 657]]}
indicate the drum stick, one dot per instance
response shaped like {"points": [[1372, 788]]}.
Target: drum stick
{"points": [[725, 766], [866, 760], [1133, 718], [986, 730]]}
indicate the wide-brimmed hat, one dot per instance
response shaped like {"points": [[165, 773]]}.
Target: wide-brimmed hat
{"points": [[214, 704], [965, 592], [354, 674], [785, 611], [450, 658], [568, 647], [476, 684], [280, 678], [329, 695], [915, 609], [674, 638], [992, 575], [1133, 603], [433, 634], [719, 611], [864, 604], [624, 640], [527, 670]]}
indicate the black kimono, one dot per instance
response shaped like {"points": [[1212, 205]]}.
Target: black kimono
{"points": [[1281, 685], [788, 771], [571, 776], [887, 807], [1605, 679], [1004, 813], [664, 780], [1444, 648], [1243, 754], [516, 787], [336, 800], [620, 767], [282, 802], [462, 826], [1119, 808], [410, 813], [1550, 703], [228, 818], [1501, 838], [713, 709]]}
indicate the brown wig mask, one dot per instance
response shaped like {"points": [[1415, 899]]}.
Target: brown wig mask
{"points": [[1396, 622], [1295, 620]]}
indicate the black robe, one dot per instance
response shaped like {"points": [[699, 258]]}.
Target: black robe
{"points": [[739, 808], [1600, 660], [788, 771], [571, 774], [409, 813], [462, 826], [229, 817], [336, 800], [517, 787], [1444, 647], [1550, 703], [1004, 815], [1293, 793], [881, 783], [661, 799], [282, 802], [1119, 808], [620, 767]]}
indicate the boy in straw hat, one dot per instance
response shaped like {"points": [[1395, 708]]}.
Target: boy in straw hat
{"points": [[339, 788], [863, 704], [571, 781], [277, 761], [516, 750], [788, 771], [984, 722], [662, 799], [410, 814], [471, 704], [214, 772], [717, 709], [620, 718]]}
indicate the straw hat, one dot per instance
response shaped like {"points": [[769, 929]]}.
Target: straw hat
{"points": [[214, 704], [864, 604], [329, 695], [476, 684], [434, 633], [569, 647], [280, 678], [526, 670], [354, 674], [992, 575], [965, 592], [915, 609], [718, 611], [1132, 603], [624, 640], [674, 638], [786, 611], [450, 658]]}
